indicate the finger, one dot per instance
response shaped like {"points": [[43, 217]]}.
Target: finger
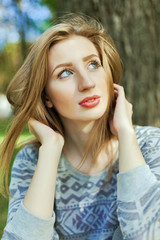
{"points": [[117, 86], [131, 107], [115, 94], [31, 121], [119, 89], [32, 124], [129, 104]]}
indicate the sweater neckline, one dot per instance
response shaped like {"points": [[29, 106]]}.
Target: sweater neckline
{"points": [[80, 174]]}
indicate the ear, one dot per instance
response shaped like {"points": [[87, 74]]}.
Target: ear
{"points": [[48, 102]]}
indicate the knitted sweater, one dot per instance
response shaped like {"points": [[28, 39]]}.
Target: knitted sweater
{"points": [[86, 207]]}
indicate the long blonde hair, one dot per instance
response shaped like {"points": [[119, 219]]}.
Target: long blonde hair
{"points": [[26, 92]]}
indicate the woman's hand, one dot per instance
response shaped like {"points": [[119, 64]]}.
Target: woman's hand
{"points": [[39, 199], [130, 155], [44, 134], [122, 116]]}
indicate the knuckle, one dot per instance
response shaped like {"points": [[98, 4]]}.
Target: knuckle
{"points": [[121, 88]]}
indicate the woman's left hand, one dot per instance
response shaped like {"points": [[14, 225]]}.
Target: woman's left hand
{"points": [[121, 119]]}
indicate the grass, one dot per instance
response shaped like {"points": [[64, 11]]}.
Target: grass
{"points": [[4, 201], [3, 211]]}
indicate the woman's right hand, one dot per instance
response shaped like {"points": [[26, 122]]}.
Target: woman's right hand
{"points": [[45, 134], [39, 199]]}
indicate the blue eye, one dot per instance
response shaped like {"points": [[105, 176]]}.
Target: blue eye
{"points": [[94, 65], [65, 73]]}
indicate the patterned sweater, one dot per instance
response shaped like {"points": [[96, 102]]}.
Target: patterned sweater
{"points": [[86, 208]]}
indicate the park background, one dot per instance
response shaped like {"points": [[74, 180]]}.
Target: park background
{"points": [[134, 27]]}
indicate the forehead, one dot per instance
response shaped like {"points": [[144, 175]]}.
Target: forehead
{"points": [[71, 48]]}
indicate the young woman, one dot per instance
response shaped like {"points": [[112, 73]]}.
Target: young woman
{"points": [[89, 175]]}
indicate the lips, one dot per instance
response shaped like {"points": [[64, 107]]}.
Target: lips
{"points": [[91, 101]]}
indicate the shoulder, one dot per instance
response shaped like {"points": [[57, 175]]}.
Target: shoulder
{"points": [[148, 135], [23, 169], [29, 152], [27, 156], [149, 142], [146, 130]]}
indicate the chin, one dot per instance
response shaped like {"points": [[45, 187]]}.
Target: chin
{"points": [[94, 116], [88, 115]]}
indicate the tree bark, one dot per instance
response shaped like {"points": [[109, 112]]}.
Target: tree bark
{"points": [[134, 27]]}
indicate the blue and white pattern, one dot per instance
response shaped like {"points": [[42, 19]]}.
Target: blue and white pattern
{"points": [[84, 204], [139, 211], [86, 208]]}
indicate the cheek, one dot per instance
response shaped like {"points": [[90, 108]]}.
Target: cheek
{"points": [[109, 90], [104, 85], [103, 82], [60, 95]]}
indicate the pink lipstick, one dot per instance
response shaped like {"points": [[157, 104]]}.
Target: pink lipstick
{"points": [[90, 102]]}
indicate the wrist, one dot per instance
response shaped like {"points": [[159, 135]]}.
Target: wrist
{"points": [[130, 155], [52, 142], [51, 146], [51, 150], [126, 133]]}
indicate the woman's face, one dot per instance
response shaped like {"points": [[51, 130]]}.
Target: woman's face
{"points": [[77, 84]]}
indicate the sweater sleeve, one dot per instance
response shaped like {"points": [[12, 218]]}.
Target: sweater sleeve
{"points": [[21, 224], [138, 191]]}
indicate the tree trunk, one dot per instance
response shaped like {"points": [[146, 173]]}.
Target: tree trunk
{"points": [[134, 26]]}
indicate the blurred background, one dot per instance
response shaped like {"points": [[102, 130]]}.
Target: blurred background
{"points": [[134, 27]]}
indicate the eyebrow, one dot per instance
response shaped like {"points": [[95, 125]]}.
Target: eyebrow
{"points": [[69, 64]]}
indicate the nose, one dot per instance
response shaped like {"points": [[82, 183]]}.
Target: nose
{"points": [[85, 82]]}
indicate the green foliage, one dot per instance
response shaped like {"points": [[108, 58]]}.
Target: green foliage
{"points": [[3, 211], [11, 60], [6, 123], [52, 5], [13, 54]]}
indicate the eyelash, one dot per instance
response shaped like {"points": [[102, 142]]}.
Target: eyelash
{"points": [[97, 64], [65, 69]]}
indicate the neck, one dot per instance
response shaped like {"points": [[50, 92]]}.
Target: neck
{"points": [[77, 136]]}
